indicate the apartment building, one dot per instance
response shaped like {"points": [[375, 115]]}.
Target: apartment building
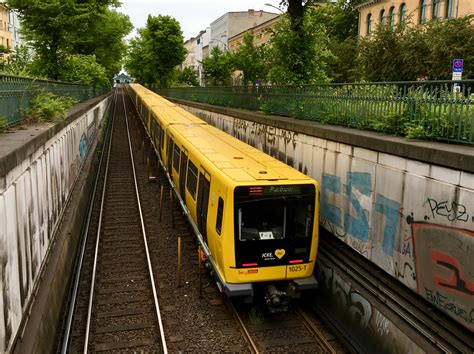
{"points": [[6, 37], [374, 12], [261, 34], [232, 23]]}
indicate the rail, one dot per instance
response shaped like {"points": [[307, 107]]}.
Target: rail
{"points": [[434, 110], [16, 93]]}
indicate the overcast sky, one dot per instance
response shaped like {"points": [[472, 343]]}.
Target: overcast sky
{"points": [[193, 15]]}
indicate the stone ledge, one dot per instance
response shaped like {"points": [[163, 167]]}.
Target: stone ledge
{"points": [[458, 157], [19, 145]]}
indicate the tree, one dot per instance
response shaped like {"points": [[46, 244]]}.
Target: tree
{"points": [[251, 60], [299, 58], [156, 51], [20, 62], [408, 53], [53, 27], [217, 67], [104, 39], [84, 69], [188, 76]]}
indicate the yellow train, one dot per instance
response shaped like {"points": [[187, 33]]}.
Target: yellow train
{"points": [[256, 218]]}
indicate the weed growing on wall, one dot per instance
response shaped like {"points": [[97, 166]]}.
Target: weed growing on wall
{"points": [[48, 107]]}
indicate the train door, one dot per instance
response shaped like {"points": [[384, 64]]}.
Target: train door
{"points": [[203, 202], [182, 174]]}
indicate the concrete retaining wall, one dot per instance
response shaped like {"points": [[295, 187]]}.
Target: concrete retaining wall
{"points": [[386, 197], [34, 190]]}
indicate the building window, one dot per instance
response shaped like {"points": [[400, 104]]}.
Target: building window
{"points": [[403, 12], [449, 8], [423, 6], [382, 18], [391, 16], [369, 23], [436, 6]]}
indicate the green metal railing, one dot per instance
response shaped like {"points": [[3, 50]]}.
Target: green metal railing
{"points": [[421, 109], [16, 93]]}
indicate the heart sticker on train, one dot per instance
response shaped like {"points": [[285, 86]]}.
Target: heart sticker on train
{"points": [[280, 253]]}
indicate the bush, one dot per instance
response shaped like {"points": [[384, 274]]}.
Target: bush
{"points": [[48, 107], [3, 124]]}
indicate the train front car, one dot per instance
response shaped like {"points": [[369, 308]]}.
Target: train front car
{"points": [[275, 241]]}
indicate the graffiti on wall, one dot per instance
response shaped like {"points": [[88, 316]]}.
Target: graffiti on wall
{"points": [[445, 268], [433, 255], [30, 208], [355, 219]]}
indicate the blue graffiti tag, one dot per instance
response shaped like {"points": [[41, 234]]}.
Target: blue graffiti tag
{"points": [[357, 226], [390, 209], [330, 212], [83, 147]]}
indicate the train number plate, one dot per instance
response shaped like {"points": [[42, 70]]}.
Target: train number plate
{"points": [[297, 268]]}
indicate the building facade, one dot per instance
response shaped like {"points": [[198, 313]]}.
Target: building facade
{"points": [[6, 37], [261, 34], [232, 23], [374, 12]]}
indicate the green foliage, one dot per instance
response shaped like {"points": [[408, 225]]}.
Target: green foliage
{"points": [[409, 53], [3, 124], [218, 68], [58, 29], [299, 57], [188, 77], [48, 107], [84, 69], [156, 51], [256, 316], [251, 60], [105, 40], [20, 62], [4, 49], [341, 22]]}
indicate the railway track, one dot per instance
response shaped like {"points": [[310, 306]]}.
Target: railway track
{"points": [[294, 331], [116, 307], [431, 329]]}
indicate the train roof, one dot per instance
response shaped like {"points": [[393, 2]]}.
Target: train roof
{"points": [[174, 115], [237, 160]]}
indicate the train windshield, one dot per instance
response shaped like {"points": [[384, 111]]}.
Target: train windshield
{"points": [[274, 212]]}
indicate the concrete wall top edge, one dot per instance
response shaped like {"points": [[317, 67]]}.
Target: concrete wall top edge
{"points": [[10, 159], [459, 157]]}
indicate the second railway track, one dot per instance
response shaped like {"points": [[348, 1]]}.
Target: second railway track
{"points": [[121, 311]]}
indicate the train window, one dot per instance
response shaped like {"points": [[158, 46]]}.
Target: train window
{"points": [[192, 179], [157, 133], [274, 212], [262, 220], [162, 138], [152, 131], [176, 156], [220, 213], [169, 153]]}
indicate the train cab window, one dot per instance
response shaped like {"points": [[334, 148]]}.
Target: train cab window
{"points": [[274, 212], [262, 220], [192, 179], [220, 213], [176, 157]]}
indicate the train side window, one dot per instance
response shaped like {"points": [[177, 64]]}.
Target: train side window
{"points": [[152, 131], [176, 156], [169, 153], [162, 139], [220, 213], [192, 179]]}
